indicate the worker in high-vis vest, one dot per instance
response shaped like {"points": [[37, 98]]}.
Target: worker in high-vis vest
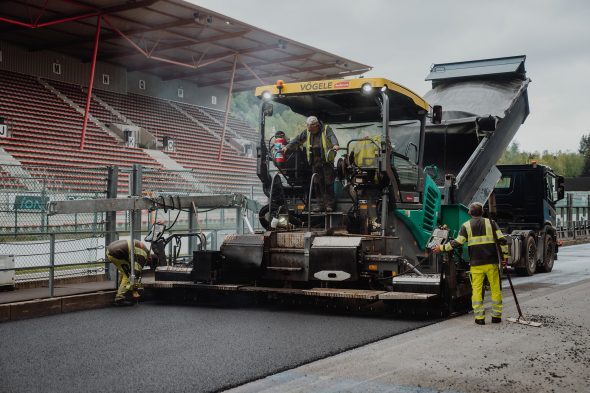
{"points": [[483, 237], [321, 146], [118, 253]]}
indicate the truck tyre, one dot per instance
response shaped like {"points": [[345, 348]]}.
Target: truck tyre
{"points": [[549, 256], [530, 258]]}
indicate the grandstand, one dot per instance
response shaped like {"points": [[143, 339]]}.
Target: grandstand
{"points": [[89, 85], [44, 91], [9, 182], [46, 130], [197, 139]]}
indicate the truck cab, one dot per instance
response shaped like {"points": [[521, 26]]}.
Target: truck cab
{"points": [[524, 206], [526, 196]]}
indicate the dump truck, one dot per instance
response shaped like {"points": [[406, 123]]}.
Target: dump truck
{"points": [[407, 169], [523, 205]]}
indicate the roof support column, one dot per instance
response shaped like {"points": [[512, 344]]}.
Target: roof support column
{"points": [[227, 107], [90, 82]]}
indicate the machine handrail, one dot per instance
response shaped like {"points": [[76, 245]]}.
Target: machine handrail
{"points": [[309, 202]]}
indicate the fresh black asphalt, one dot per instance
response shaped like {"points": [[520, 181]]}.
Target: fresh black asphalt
{"points": [[170, 348]]}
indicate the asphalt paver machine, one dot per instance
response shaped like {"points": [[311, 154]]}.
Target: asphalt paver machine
{"points": [[404, 176], [405, 173]]}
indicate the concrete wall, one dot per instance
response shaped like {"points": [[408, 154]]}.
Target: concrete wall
{"points": [[192, 94], [74, 71]]}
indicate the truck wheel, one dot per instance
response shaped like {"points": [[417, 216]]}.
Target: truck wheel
{"points": [[530, 258], [549, 257]]}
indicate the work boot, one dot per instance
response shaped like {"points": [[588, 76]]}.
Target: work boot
{"points": [[496, 320], [316, 209], [329, 209], [122, 303], [480, 321]]}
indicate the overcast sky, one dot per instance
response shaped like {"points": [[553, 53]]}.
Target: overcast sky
{"points": [[401, 39]]}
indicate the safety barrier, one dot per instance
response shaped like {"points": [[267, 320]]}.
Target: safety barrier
{"points": [[573, 218], [55, 248], [41, 257], [578, 230], [47, 259]]}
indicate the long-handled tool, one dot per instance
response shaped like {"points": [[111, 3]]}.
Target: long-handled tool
{"points": [[520, 318]]}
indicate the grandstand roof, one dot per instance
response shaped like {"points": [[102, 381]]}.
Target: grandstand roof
{"points": [[172, 39]]}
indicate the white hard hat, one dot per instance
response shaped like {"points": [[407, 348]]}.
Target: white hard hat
{"points": [[311, 120]]}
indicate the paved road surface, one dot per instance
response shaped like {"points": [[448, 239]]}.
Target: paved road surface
{"points": [[161, 348], [157, 348], [571, 266], [458, 356]]}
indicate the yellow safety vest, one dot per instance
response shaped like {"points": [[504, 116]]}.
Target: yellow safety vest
{"points": [[138, 252], [366, 151], [326, 146], [488, 238]]}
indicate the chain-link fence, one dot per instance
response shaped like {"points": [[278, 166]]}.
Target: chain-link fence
{"points": [[42, 257], [36, 239], [26, 190], [59, 247]]}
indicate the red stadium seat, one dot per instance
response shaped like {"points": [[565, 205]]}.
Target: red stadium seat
{"points": [[46, 132]]}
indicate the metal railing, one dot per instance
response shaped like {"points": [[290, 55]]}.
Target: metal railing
{"points": [[49, 248], [573, 218], [51, 258], [43, 257], [25, 191], [575, 230]]}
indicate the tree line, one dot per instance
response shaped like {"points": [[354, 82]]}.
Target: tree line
{"points": [[247, 106], [564, 163], [568, 164]]}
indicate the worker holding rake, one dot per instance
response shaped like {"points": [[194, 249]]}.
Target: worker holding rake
{"points": [[482, 236]]}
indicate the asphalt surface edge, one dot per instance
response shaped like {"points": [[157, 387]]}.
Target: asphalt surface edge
{"points": [[324, 356], [56, 305]]}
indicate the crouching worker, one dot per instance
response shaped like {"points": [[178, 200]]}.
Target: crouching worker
{"points": [[483, 236], [118, 253]]}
